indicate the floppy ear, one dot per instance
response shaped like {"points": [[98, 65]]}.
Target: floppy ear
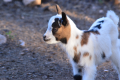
{"points": [[59, 11], [64, 19]]}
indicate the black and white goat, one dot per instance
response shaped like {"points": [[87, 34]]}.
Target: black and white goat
{"points": [[86, 48]]}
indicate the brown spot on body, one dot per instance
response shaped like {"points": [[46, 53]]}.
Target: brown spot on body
{"points": [[75, 49], [76, 57], [85, 54], [90, 57], [92, 31], [85, 36], [77, 37]]}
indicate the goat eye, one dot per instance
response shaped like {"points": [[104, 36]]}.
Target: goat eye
{"points": [[55, 29]]}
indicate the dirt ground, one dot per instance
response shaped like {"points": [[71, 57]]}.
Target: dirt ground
{"points": [[38, 60]]}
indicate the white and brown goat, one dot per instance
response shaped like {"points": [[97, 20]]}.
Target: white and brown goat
{"points": [[86, 49]]}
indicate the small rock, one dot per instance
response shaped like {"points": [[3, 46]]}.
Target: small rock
{"points": [[94, 8], [106, 71], [22, 17], [21, 59], [49, 59], [26, 2], [52, 69], [101, 11], [7, 14], [13, 76], [18, 4], [3, 39], [5, 30], [3, 67], [12, 60], [26, 49], [5, 70], [29, 73], [46, 8], [45, 77], [22, 43], [7, 1], [22, 53], [3, 79]]}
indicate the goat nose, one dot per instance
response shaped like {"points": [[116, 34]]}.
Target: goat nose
{"points": [[44, 36]]}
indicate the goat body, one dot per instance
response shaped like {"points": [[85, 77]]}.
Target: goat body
{"points": [[86, 49]]}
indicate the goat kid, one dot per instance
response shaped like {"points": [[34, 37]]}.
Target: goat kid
{"points": [[86, 49]]}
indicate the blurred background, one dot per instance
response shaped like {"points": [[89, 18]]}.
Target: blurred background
{"points": [[23, 53]]}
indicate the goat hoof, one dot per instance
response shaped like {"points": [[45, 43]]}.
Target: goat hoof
{"points": [[77, 77]]}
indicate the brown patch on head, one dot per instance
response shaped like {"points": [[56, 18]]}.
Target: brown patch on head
{"points": [[90, 57], [76, 57], [85, 54], [63, 32], [85, 36], [77, 37], [61, 29]]}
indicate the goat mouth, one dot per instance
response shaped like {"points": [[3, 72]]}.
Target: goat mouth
{"points": [[46, 40]]}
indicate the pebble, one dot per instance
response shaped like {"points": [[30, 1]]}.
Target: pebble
{"points": [[21, 59], [26, 2], [29, 73], [22, 53], [94, 8], [3, 39], [3, 67], [3, 79], [45, 77], [22, 43], [22, 17], [101, 11], [106, 71], [7, 1], [46, 8], [18, 4]]}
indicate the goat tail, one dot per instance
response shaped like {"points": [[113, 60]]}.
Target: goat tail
{"points": [[111, 14]]}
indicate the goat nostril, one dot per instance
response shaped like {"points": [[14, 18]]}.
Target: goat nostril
{"points": [[44, 36]]}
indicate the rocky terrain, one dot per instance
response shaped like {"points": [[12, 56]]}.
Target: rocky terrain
{"points": [[34, 59]]}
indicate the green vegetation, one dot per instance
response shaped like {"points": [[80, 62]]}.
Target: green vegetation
{"points": [[101, 1], [9, 35]]}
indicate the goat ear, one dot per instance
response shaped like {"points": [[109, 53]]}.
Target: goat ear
{"points": [[64, 19], [59, 11]]}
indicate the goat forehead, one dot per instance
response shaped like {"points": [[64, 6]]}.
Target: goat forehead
{"points": [[52, 20], [56, 24]]}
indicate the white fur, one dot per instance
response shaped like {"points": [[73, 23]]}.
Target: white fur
{"points": [[107, 42]]}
